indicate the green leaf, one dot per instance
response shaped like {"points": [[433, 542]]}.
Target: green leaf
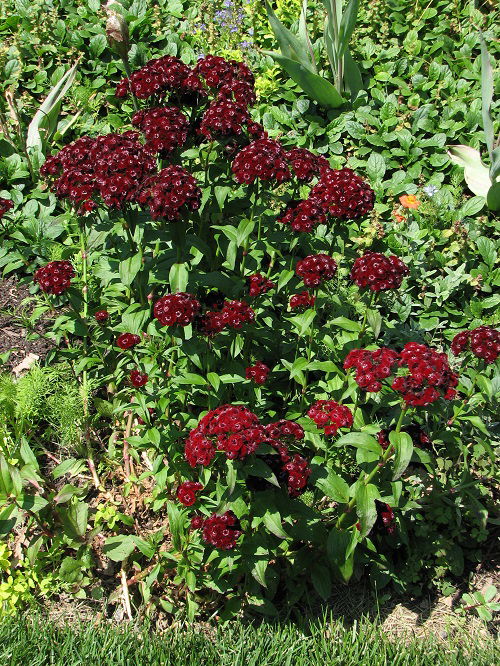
{"points": [[375, 167], [291, 46], [5, 478], [340, 548], [303, 321], [403, 446], [176, 523], [353, 80], [178, 277], [347, 24], [346, 324], [375, 320], [118, 548], [365, 506], [486, 95], [259, 572], [476, 174], [318, 88], [493, 197], [33, 503], [330, 483], [129, 268], [258, 467], [486, 248], [71, 466], [472, 206], [322, 581], [361, 440], [272, 520], [74, 519]]}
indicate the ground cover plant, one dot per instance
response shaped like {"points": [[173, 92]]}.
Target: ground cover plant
{"points": [[275, 342]]}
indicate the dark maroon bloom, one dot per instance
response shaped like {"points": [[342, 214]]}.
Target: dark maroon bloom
{"points": [[302, 301], [197, 522], [258, 372], [484, 342], [55, 277], [256, 130], [371, 366], [152, 416], [138, 378], [5, 205], [343, 194], [429, 378], [232, 315], [386, 516], [165, 129], [298, 473], [186, 492], [315, 269], [198, 450], [220, 531], [223, 118], [378, 272], [305, 164], [127, 340], [241, 93], [217, 71], [170, 193], [263, 159], [284, 431], [259, 284], [303, 216], [101, 316], [331, 416], [180, 308]]}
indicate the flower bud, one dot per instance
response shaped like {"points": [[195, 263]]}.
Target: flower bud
{"points": [[117, 34]]}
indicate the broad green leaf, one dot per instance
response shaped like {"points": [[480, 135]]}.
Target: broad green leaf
{"points": [[74, 519], [365, 506], [361, 440], [347, 23], [340, 548], [403, 446], [330, 483], [318, 88], [476, 174], [375, 166], [178, 277], [493, 197], [118, 548], [272, 520], [322, 581], [259, 572], [486, 248], [175, 522], [259, 468], [472, 206], [304, 35], [129, 268], [353, 80], [33, 503]]}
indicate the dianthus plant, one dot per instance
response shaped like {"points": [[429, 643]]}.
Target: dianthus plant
{"points": [[215, 304]]}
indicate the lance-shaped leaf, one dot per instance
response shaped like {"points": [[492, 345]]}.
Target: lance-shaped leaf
{"points": [[476, 174], [365, 506], [403, 446], [352, 76], [318, 88], [487, 95], [346, 28], [304, 35], [46, 116], [340, 548], [291, 46]]}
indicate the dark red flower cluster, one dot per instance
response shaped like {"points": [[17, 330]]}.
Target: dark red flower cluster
{"points": [[217, 71], [371, 366], [258, 372], [127, 340], [186, 492], [240, 92], [385, 515], [303, 215], [484, 342], [220, 531], [284, 431], [298, 473], [170, 193], [55, 277], [110, 167], [180, 308], [331, 416], [233, 429], [138, 378], [316, 269], [378, 272], [162, 75], [165, 129], [305, 164], [233, 314], [223, 118], [419, 436], [5, 205], [264, 159], [302, 301], [343, 194], [101, 316], [430, 375], [259, 284]]}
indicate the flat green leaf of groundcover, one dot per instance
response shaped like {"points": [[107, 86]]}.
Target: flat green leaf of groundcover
{"points": [[118, 548]]}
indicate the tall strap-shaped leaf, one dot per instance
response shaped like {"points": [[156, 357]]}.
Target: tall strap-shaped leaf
{"points": [[49, 109], [347, 23], [352, 76], [318, 88], [330, 46], [487, 95], [291, 46], [304, 35]]}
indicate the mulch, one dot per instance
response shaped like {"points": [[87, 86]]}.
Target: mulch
{"points": [[15, 306]]}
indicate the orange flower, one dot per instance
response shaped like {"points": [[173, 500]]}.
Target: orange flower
{"points": [[409, 201], [399, 218]]}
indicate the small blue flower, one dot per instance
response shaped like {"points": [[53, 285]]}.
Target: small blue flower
{"points": [[246, 44], [431, 190], [250, 31], [227, 3]]}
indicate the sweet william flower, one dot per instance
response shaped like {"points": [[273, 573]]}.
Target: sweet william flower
{"points": [[138, 378], [127, 340], [186, 492], [55, 277], [101, 316], [258, 372]]}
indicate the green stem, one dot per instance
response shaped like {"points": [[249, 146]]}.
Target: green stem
{"points": [[309, 351], [129, 74], [466, 401]]}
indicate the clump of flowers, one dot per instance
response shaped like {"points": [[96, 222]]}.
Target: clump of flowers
{"points": [[223, 118], [240, 92], [170, 193], [316, 269], [220, 531], [298, 471], [259, 284], [303, 216], [176, 309], [371, 366], [216, 71], [378, 272], [305, 164], [263, 159], [330, 415], [343, 194], [164, 128], [55, 277], [5, 206], [233, 314], [258, 372], [484, 342], [429, 378], [127, 340], [101, 316], [284, 430], [138, 378], [302, 301], [186, 492]]}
